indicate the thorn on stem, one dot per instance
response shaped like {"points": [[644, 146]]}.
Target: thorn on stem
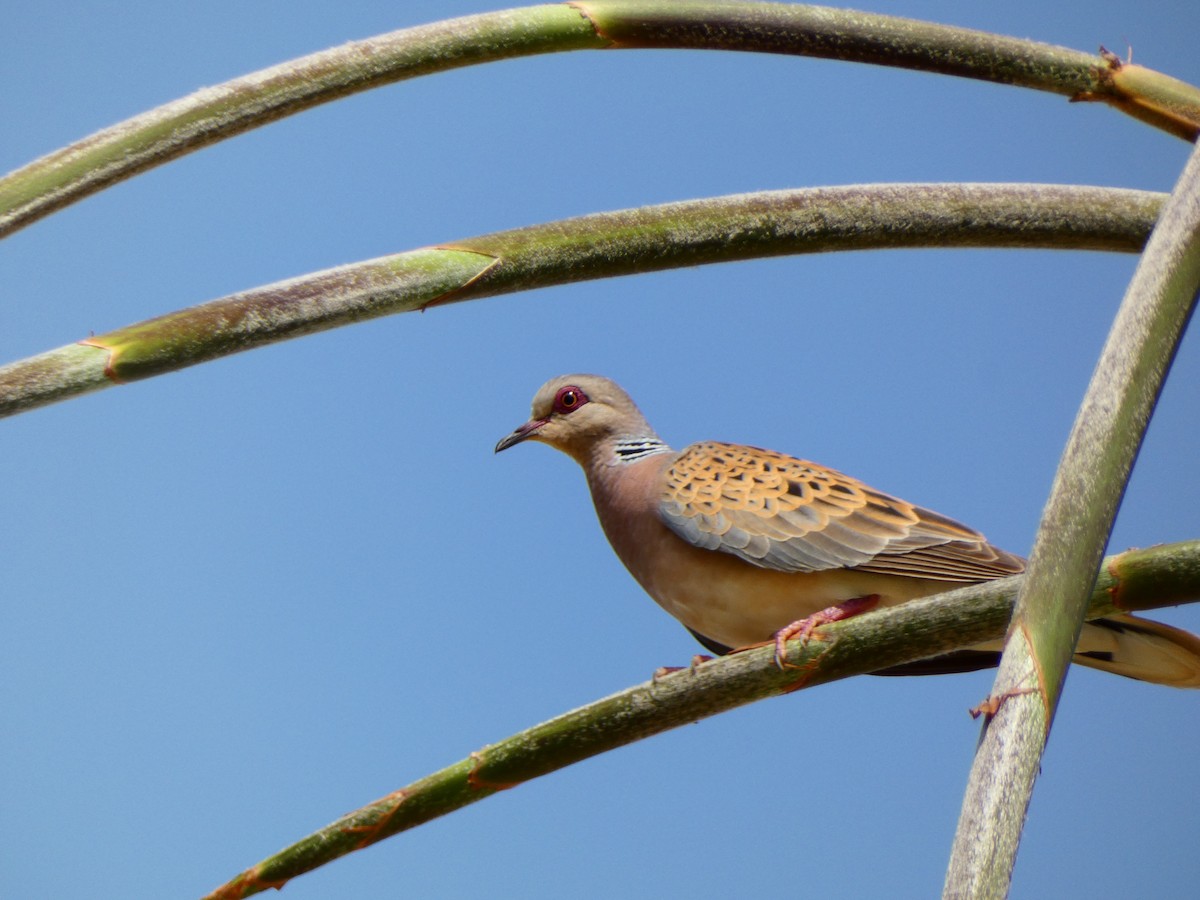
{"points": [[991, 704]]}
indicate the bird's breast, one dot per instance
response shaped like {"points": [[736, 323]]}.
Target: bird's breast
{"points": [[714, 593]]}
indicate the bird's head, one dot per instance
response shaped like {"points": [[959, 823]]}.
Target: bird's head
{"points": [[577, 413]]}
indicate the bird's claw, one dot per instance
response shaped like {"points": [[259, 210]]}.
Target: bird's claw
{"points": [[804, 628]]}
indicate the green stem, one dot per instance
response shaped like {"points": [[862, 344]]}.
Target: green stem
{"points": [[1155, 98], [862, 644], [844, 34], [1087, 490], [216, 113], [596, 246]]}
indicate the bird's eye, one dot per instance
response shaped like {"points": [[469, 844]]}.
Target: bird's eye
{"points": [[569, 399]]}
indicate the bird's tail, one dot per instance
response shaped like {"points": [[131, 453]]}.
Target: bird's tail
{"points": [[1141, 649]]}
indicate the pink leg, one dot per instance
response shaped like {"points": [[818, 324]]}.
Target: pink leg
{"points": [[804, 628]]}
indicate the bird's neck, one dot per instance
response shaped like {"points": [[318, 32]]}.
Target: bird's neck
{"points": [[618, 466], [625, 480], [622, 451]]}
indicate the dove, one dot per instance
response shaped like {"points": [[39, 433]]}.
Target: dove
{"points": [[744, 545]]}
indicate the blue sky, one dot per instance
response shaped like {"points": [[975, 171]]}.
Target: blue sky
{"points": [[243, 599]]}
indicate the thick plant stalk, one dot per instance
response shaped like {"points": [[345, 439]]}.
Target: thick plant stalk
{"points": [[1075, 525], [1151, 96], [603, 245], [216, 113], [1139, 579]]}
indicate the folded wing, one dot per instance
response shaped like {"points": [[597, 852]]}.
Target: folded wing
{"points": [[783, 513]]}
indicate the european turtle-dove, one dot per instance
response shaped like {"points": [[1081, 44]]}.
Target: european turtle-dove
{"points": [[742, 545]]}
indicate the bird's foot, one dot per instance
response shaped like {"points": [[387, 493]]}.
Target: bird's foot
{"points": [[663, 671], [697, 660], [804, 628]]}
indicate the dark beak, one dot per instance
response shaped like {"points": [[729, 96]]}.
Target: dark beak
{"points": [[524, 433]]}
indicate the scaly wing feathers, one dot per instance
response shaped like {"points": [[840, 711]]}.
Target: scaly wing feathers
{"points": [[783, 513]]}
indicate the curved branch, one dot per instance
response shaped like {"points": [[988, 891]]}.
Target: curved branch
{"points": [[603, 245], [213, 114], [1161, 576], [216, 113], [1075, 527]]}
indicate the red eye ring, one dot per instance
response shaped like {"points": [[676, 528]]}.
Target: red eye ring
{"points": [[568, 399]]}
